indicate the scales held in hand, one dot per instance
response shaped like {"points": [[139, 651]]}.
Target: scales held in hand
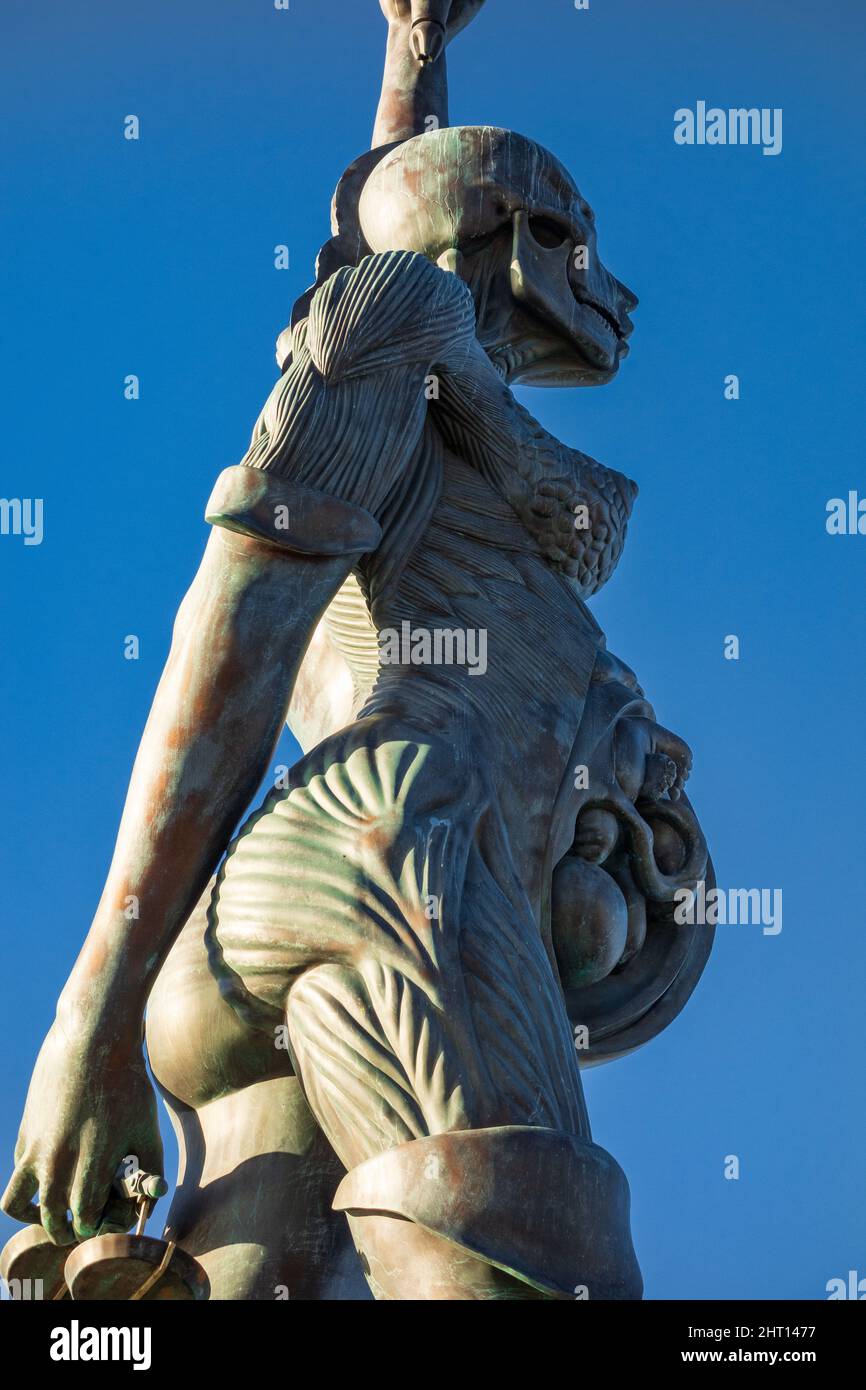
{"points": [[114, 1267]]}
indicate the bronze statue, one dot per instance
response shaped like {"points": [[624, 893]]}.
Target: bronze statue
{"points": [[367, 1011]]}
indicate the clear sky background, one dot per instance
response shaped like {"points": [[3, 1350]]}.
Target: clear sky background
{"points": [[156, 258]]}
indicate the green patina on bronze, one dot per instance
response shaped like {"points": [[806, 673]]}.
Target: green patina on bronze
{"points": [[368, 1007]]}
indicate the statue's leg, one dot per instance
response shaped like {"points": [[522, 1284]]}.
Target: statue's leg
{"points": [[508, 1211], [374, 909], [257, 1177]]}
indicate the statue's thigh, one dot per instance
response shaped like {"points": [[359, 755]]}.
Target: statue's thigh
{"points": [[256, 1175], [199, 1047]]}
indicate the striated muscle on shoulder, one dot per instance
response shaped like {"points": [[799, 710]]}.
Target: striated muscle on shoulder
{"points": [[347, 416], [392, 310]]}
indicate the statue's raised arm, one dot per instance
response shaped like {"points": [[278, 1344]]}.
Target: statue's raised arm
{"points": [[415, 85]]}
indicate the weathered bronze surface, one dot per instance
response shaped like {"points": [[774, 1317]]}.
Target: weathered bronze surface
{"points": [[367, 1009]]}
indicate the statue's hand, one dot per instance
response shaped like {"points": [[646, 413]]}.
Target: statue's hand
{"points": [[89, 1107], [462, 13], [450, 15], [397, 11]]}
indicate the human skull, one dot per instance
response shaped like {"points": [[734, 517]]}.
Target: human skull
{"points": [[503, 213]]}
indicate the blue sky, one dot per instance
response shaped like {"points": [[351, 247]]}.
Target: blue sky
{"points": [[156, 258]]}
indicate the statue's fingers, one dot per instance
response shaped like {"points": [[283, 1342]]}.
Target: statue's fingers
{"points": [[53, 1213], [462, 13], [152, 1161], [396, 10], [89, 1198], [17, 1200], [119, 1216]]}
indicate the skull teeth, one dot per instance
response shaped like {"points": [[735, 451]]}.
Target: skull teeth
{"points": [[601, 315]]}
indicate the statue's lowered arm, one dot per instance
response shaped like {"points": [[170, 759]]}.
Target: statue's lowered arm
{"points": [[216, 716], [289, 524], [215, 720]]}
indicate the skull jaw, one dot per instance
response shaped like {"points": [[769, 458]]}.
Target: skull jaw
{"points": [[577, 345], [528, 351], [558, 364]]}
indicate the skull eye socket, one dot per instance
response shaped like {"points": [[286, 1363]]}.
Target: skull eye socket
{"points": [[470, 245], [548, 234]]}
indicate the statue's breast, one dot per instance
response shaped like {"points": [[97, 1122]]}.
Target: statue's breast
{"points": [[457, 612]]}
